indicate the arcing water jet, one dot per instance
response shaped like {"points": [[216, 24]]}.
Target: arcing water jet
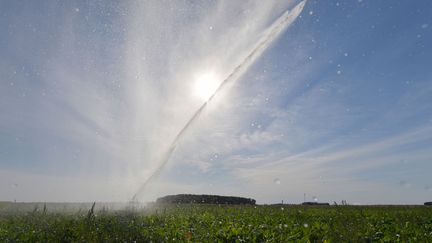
{"points": [[274, 31]]}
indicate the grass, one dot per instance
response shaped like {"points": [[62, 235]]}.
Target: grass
{"points": [[216, 223]]}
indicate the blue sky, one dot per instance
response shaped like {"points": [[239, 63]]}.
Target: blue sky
{"points": [[339, 106]]}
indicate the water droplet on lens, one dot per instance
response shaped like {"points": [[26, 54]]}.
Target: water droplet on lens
{"points": [[277, 181]]}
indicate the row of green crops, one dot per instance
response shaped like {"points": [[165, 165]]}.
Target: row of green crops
{"points": [[215, 223]]}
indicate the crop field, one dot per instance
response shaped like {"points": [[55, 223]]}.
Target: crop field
{"points": [[219, 223]]}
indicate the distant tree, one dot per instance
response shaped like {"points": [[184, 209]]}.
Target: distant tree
{"points": [[316, 203], [204, 199]]}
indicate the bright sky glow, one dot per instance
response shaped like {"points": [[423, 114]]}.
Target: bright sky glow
{"points": [[206, 84]]}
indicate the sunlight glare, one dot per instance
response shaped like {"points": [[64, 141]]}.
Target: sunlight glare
{"points": [[206, 84]]}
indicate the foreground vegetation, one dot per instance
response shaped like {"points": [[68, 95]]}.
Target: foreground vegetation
{"points": [[217, 223]]}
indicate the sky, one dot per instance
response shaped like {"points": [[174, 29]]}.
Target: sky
{"points": [[338, 107]]}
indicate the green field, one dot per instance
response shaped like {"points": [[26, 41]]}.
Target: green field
{"points": [[215, 223]]}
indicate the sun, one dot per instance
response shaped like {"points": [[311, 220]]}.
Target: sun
{"points": [[206, 84]]}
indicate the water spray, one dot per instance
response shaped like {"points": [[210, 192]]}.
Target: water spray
{"points": [[274, 31]]}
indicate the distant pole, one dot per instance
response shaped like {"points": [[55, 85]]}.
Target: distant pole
{"points": [[304, 197]]}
